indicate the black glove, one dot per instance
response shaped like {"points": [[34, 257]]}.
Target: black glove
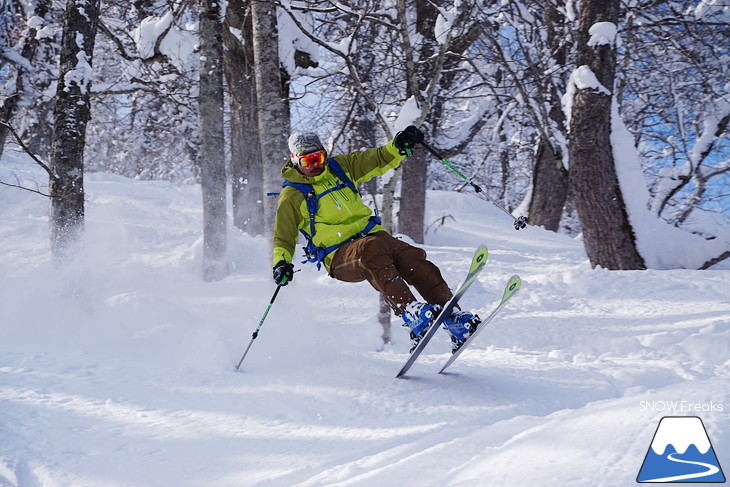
{"points": [[283, 272], [406, 140]]}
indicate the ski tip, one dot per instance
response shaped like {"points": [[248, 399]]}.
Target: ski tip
{"points": [[513, 286]]}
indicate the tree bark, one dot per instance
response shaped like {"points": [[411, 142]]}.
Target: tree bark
{"points": [[212, 156], [412, 213], [273, 113], [607, 233], [71, 114], [550, 181], [247, 173], [549, 188]]}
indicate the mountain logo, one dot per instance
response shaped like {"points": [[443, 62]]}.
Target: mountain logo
{"points": [[680, 452]]}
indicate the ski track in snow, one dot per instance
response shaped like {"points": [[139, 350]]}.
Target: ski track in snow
{"points": [[120, 372]]}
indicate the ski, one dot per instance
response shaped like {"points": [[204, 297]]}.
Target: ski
{"points": [[477, 264], [513, 285]]}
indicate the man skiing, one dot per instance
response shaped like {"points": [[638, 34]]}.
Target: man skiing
{"points": [[320, 200]]}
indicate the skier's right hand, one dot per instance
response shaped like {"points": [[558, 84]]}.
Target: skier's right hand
{"points": [[406, 140], [283, 272]]}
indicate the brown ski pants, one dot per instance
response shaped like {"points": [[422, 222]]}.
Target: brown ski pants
{"points": [[389, 265]]}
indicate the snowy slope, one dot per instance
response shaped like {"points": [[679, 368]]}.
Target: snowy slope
{"points": [[120, 373]]}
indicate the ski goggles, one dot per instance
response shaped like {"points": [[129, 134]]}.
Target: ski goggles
{"points": [[313, 159]]}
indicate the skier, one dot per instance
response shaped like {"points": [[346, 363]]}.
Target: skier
{"points": [[350, 242]]}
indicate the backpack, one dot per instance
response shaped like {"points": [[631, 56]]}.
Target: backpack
{"points": [[311, 251]]}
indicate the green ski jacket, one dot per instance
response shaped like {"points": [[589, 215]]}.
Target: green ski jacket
{"points": [[341, 213]]}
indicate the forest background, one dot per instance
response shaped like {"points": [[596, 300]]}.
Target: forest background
{"points": [[605, 120]]}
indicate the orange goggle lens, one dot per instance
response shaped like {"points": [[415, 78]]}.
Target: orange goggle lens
{"points": [[313, 159]]}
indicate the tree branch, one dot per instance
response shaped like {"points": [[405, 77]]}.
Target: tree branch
{"points": [[716, 260], [19, 186], [25, 148]]}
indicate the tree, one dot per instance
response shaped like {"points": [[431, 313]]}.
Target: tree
{"points": [[550, 176], [675, 101], [145, 114], [71, 114], [433, 66], [247, 172], [273, 113], [212, 141], [607, 232], [29, 49], [415, 66]]}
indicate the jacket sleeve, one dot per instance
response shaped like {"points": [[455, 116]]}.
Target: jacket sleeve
{"points": [[365, 165], [286, 224]]}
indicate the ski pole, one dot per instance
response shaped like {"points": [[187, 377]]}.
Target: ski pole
{"points": [[256, 333], [520, 222]]}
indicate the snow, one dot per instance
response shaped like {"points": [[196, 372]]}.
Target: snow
{"points": [[602, 33], [35, 22], [719, 110], [120, 371], [150, 29], [82, 73], [291, 39], [582, 78], [177, 45], [408, 114], [445, 22], [712, 9], [662, 246]]}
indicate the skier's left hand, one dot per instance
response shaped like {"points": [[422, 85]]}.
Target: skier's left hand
{"points": [[283, 272], [407, 139]]}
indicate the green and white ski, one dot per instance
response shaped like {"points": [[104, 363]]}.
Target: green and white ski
{"points": [[513, 286], [477, 264]]}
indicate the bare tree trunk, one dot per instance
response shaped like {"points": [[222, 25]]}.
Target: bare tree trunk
{"points": [[607, 233], [432, 63], [247, 173], [550, 181], [71, 114], [384, 310], [212, 155], [363, 129], [413, 188], [412, 213], [550, 188], [273, 114]]}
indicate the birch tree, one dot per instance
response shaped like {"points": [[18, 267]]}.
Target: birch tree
{"points": [[71, 114], [273, 113], [247, 172]]}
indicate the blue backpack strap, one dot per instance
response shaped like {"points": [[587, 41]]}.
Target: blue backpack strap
{"points": [[312, 206], [340, 173], [314, 253]]}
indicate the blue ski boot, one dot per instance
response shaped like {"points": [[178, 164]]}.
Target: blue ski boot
{"points": [[460, 325], [419, 317]]}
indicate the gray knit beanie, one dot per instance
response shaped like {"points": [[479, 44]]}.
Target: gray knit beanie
{"points": [[301, 143]]}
